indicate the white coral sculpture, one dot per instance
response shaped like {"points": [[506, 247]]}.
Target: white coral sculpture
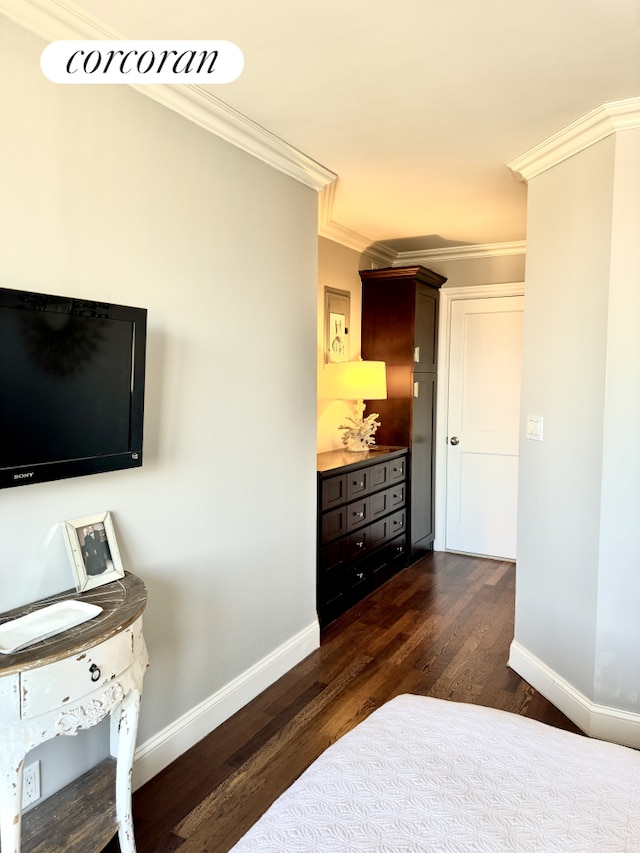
{"points": [[360, 436]]}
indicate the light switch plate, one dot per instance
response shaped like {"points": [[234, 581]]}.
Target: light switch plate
{"points": [[534, 427]]}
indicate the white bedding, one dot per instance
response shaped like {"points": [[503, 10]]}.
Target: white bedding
{"points": [[423, 774]]}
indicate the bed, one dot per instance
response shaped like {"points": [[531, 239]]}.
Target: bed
{"points": [[423, 774]]}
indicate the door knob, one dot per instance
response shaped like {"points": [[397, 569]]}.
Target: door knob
{"points": [[454, 440]]}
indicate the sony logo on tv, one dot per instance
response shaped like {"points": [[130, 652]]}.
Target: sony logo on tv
{"points": [[24, 476]]}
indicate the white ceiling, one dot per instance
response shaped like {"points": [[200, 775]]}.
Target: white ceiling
{"points": [[417, 105]]}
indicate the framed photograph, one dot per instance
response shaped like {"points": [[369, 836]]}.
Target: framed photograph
{"points": [[93, 550], [337, 305]]}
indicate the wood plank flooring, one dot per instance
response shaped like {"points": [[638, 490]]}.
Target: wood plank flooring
{"points": [[441, 627]]}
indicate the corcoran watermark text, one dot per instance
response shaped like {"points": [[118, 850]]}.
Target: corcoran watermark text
{"points": [[135, 62]]}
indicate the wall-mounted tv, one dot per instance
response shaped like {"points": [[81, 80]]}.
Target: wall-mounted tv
{"points": [[71, 387]]}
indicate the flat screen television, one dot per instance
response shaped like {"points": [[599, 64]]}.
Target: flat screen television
{"points": [[71, 387]]}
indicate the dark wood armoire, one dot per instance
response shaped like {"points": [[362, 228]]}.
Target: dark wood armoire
{"points": [[400, 327]]}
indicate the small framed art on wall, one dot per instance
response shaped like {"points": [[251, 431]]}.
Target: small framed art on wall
{"points": [[337, 305]]}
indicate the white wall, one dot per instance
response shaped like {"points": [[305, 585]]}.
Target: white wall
{"points": [[578, 579], [107, 195], [617, 677], [563, 381]]}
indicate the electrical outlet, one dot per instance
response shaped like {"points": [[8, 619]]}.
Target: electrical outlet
{"points": [[31, 784]]}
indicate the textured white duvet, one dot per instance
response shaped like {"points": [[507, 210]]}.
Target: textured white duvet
{"points": [[424, 774]]}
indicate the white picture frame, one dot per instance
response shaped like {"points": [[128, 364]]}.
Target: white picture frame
{"points": [[337, 310], [93, 550]]}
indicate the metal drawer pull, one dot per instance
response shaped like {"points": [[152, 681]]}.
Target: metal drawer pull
{"points": [[360, 544], [356, 483], [94, 669], [359, 575], [396, 522], [358, 514]]}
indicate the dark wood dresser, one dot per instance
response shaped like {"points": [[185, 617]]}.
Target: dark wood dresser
{"points": [[363, 505]]}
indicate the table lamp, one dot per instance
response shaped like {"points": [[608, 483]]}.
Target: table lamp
{"points": [[359, 381]]}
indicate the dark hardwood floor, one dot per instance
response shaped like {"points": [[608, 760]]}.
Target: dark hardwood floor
{"points": [[442, 628]]}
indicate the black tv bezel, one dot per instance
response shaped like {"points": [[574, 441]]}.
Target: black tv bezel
{"points": [[62, 469]]}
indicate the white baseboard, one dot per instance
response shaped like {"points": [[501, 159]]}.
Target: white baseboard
{"points": [[155, 754], [553, 687], [598, 721]]}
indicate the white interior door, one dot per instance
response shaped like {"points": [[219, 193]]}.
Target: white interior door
{"points": [[483, 425]]}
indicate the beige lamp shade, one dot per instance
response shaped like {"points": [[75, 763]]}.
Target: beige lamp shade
{"points": [[357, 380]]}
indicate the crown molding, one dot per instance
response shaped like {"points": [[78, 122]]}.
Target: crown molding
{"points": [[332, 230], [389, 257], [196, 104], [590, 128], [382, 254], [378, 252], [340, 234], [53, 20], [460, 253]]}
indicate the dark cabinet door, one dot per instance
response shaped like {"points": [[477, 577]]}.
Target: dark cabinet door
{"points": [[426, 331], [400, 327], [422, 461]]}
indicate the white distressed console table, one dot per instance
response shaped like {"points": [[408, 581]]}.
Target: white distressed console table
{"points": [[57, 687]]}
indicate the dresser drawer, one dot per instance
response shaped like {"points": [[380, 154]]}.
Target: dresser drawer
{"points": [[334, 492], [331, 588], [385, 502], [379, 504], [397, 523], [329, 556], [379, 533], [398, 495], [358, 483], [65, 681], [388, 558], [355, 546], [357, 514], [333, 524], [380, 476], [398, 470]]}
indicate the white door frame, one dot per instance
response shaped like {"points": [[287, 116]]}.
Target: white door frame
{"points": [[447, 296]]}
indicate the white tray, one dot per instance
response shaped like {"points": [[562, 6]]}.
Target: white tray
{"points": [[46, 622]]}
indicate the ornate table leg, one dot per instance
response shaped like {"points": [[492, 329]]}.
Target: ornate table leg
{"points": [[124, 727], [11, 768]]}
